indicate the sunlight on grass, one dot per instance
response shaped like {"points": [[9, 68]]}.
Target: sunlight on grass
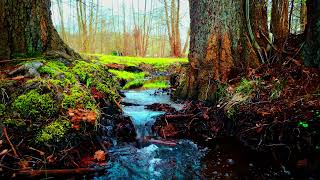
{"points": [[137, 83], [156, 85], [127, 75], [159, 63]]}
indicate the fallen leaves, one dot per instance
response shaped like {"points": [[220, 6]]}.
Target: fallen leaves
{"points": [[81, 115], [100, 155]]}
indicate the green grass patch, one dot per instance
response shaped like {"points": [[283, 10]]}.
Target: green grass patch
{"points": [[158, 63], [134, 84], [127, 75], [158, 84]]}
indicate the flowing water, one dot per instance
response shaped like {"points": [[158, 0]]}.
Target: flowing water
{"points": [[183, 160]]}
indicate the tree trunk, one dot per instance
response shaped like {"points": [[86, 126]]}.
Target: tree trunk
{"points": [[280, 22], [303, 15], [259, 17], [26, 28], [219, 47], [312, 47]]}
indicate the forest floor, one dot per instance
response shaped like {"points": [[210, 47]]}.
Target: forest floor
{"points": [[50, 111], [274, 111]]}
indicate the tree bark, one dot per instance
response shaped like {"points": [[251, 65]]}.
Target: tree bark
{"points": [[26, 28], [280, 22], [312, 48], [259, 18], [219, 47], [303, 15]]}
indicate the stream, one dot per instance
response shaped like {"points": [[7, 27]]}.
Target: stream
{"points": [[183, 160]]}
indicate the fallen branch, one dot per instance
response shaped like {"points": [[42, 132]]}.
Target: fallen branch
{"points": [[55, 172], [11, 145], [163, 142]]}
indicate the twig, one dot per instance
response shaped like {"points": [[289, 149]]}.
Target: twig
{"points": [[12, 147], [11, 60], [35, 173]]}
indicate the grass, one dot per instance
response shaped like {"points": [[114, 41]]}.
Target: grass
{"points": [[156, 84], [158, 63], [127, 75]]}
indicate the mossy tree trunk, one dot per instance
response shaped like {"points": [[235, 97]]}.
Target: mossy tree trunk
{"points": [[219, 47], [26, 28], [312, 47]]}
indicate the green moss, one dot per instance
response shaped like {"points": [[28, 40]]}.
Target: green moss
{"points": [[158, 63], [55, 131], [85, 70], [53, 68], [78, 97], [35, 106], [134, 84], [246, 87], [14, 122], [156, 84], [2, 109], [6, 83], [127, 75], [277, 89], [231, 113]]}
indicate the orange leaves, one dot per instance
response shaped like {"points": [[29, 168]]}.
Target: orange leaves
{"points": [[81, 115], [99, 155]]}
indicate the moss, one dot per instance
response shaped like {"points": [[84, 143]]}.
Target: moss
{"points": [[2, 109], [277, 89], [161, 64], [55, 131], [134, 84], [156, 84], [246, 87], [87, 70], [231, 113], [53, 68], [35, 106], [127, 75], [78, 97], [6, 83], [14, 122]]}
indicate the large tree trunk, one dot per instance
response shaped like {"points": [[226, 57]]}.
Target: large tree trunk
{"points": [[219, 47], [26, 28], [280, 22], [312, 47]]}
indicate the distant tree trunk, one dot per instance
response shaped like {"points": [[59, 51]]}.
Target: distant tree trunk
{"points": [[172, 23], [26, 28], [186, 45], [259, 18], [303, 15], [219, 47], [280, 22], [312, 47], [63, 31]]}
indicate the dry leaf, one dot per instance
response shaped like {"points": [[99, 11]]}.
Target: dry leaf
{"points": [[100, 155]]}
